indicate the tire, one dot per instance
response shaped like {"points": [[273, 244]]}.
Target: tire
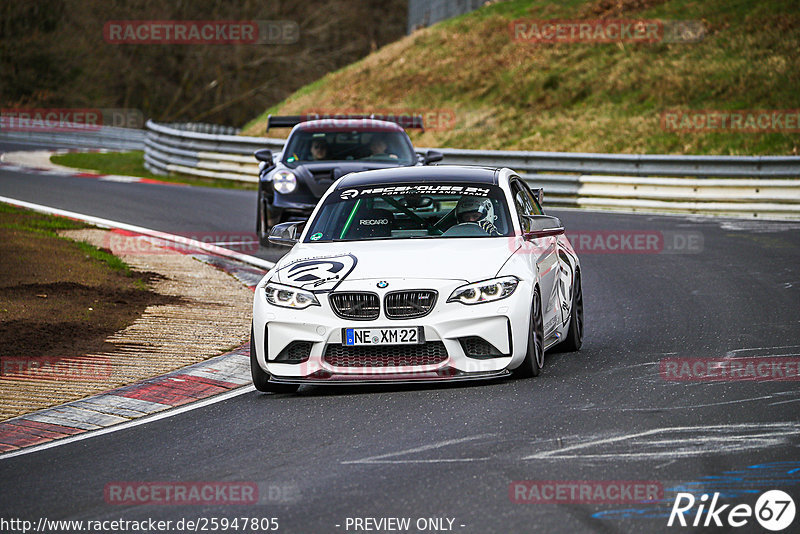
{"points": [[261, 377], [266, 218], [534, 358], [574, 339], [262, 229]]}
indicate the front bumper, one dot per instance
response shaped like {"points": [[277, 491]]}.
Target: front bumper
{"points": [[503, 324], [418, 378]]}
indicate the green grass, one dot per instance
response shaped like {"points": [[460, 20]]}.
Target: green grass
{"points": [[113, 262], [581, 96], [48, 225], [132, 164], [32, 221], [122, 163]]}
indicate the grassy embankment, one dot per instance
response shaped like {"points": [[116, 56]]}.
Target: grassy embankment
{"points": [[490, 91], [582, 97]]}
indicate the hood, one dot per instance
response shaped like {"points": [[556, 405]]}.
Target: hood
{"points": [[321, 266], [319, 176]]}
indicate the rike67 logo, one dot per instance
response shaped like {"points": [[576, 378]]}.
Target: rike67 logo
{"points": [[774, 511]]}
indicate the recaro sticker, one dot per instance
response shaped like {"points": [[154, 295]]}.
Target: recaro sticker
{"points": [[318, 275]]}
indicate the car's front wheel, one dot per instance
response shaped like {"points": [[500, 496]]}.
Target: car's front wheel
{"points": [[266, 217], [261, 377], [534, 358], [262, 227]]}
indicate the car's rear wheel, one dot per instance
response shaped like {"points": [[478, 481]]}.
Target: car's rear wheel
{"points": [[574, 338], [261, 377], [534, 358]]}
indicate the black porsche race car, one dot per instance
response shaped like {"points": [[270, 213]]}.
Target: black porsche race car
{"points": [[318, 152]]}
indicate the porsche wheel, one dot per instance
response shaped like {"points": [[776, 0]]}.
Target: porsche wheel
{"points": [[262, 222], [267, 217]]}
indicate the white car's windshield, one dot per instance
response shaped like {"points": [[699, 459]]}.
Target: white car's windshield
{"points": [[406, 211], [382, 147]]}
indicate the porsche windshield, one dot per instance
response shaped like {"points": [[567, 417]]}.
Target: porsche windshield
{"points": [[382, 147], [412, 211]]}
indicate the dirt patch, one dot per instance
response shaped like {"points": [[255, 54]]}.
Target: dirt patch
{"points": [[59, 298], [76, 320], [69, 318]]}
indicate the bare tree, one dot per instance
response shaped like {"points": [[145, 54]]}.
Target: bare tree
{"points": [[53, 53]]}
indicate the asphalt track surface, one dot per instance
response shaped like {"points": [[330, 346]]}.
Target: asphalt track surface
{"points": [[203, 213], [604, 414]]}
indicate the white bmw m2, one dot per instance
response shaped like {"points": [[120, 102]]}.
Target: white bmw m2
{"points": [[417, 274]]}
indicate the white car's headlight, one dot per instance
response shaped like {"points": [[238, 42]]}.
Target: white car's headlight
{"points": [[486, 291], [289, 297], [284, 182]]}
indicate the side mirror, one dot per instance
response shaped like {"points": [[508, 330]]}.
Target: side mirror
{"points": [[543, 226], [264, 155], [286, 234], [432, 156], [265, 164]]}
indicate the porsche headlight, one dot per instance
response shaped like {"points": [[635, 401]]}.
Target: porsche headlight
{"points": [[486, 291], [284, 182], [289, 297]]}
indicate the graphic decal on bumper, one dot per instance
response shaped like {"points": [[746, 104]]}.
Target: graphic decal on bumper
{"points": [[318, 275]]}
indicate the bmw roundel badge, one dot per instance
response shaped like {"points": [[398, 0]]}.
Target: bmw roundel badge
{"points": [[382, 284]]}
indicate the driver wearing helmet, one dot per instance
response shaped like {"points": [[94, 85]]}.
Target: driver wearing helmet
{"points": [[477, 210]]}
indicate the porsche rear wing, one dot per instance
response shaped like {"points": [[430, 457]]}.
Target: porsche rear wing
{"points": [[290, 121]]}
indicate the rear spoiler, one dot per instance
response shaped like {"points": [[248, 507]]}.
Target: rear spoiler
{"points": [[290, 121]]}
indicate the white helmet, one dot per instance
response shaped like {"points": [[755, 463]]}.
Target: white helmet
{"points": [[468, 206]]}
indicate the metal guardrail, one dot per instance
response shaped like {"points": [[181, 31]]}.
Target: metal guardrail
{"points": [[79, 136], [230, 157], [753, 186], [202, 127], [632, 164]]}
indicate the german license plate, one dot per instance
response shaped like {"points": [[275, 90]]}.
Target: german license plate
{"points": [[354, 337]]}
